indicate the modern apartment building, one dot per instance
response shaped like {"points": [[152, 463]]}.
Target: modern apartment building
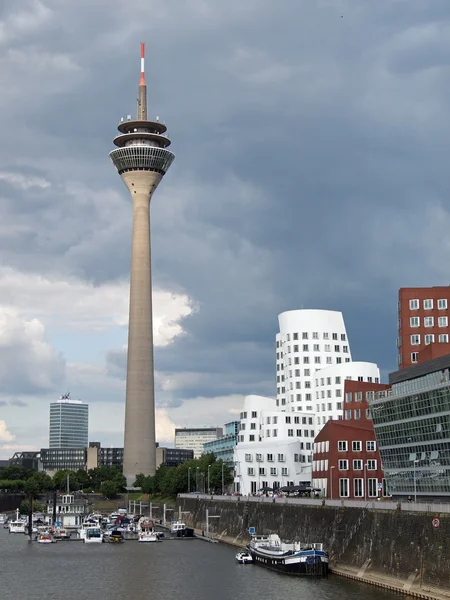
{"points": [[412, 426], [193, 438], [423, 321], [69, 423]]}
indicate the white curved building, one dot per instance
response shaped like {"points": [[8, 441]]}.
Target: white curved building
{"points": [[313, 360]]}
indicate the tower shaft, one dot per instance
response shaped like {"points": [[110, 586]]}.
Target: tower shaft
{"points": [[139, 443]]}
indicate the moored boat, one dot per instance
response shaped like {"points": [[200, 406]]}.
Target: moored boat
{"points": [[295, 558], [45, 538], [17, 526], [116, 537], [244, 558], [147, 532], [3, 518], [93, 535]]}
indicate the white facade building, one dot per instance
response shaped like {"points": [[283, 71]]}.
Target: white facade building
{"points": [[313, 360]]}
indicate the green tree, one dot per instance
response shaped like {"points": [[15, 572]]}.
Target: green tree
{"points": [[15, 472], [12, 485], [60, 481], [140, 479], [109, 489], [38, 483], [37, 507]]}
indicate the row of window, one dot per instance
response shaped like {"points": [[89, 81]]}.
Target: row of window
{"points": [[371, 446], [358, 487], [274, 420], [428, 321], [343, 465], [315, 348], [314, 336], [317, 361], [428, 304], [428, 338], [272, 470]]}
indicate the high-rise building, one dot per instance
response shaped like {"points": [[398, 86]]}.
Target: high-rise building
{"points": [[193, 438], [142, 160], [423, 324], [69, 423]]}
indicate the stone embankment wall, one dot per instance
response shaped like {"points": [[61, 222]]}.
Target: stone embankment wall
{"points": [[396, 543], [10, 502]]}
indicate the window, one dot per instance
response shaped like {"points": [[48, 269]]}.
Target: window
{"points": [[242, 427], [254, 414], [326, 336], [251, 438], [337, 348], [250, 471], [288, 419], [299, 433], [284, 471], [297, 372], [429, 338], [304, 336], [414, 304], [274, 432], [443, 338], [307, 384], [296, 348], [252, 425], [315, 335], [342, 446], [306, 360], [358, 396], [348, 396], [262, 470], [414, 321], [335, 336], [290, 433], [317, 360], [428, 321], [259, 458], [344, 348], [357, 413], [316, 348], [342, 337], [288, 337], [415, 339], [428, 304], [357, 446], [372, 487], [281, 458], [371, 446], [327, 348], [270, 458], [358, 488], [414, 356], [275, 420], [371, 464], [306, 372], [442, 304], [443, 321], [357, 465], [295, 336], [248, 458], [273, 470], [343, 488]]}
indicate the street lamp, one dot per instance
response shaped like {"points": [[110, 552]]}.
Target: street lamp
{"points": [[189, 480], [415, 481], [365, 481], [209, 488], [196, 479], [222, 476], [331, 482]]}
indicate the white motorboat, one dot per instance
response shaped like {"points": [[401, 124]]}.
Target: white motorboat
{"points": [[93, 535], [177, 527], [61, 534], [244, 558], [17, 526], [45, 538], [147, 532], [3, 518]]}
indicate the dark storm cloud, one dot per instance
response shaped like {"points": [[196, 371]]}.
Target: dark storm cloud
{"points": [[311, 164]]}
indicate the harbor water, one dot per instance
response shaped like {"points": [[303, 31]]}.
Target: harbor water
{"points": [[185, 569]]}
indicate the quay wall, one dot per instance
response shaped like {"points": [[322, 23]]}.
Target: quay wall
{"points": [[396, 543], [10, 502]]}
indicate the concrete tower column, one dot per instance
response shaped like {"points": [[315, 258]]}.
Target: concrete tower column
{"points": [[142, 160]]}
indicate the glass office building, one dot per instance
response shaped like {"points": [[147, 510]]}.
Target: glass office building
{"points": [[223, 447], [412, 427], [69, 421]]}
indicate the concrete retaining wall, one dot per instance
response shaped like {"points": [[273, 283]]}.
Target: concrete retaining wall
{"points": [[10, 502], [396, 543]]}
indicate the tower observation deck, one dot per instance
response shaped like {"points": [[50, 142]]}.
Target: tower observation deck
{"points": [[141, 159]]}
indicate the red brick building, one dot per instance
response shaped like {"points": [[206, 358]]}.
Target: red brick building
{"points": [[346, 461], [423, 321]]}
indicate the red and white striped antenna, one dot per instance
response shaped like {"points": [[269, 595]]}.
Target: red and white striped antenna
{"points": [[142, 82]]}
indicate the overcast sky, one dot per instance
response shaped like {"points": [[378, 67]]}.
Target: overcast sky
{"points": [[312, 143]]}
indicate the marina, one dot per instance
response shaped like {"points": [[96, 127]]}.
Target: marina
{"points": [[211, 570]]}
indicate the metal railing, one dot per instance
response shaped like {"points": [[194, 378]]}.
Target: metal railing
{"points": [[423, 507]]}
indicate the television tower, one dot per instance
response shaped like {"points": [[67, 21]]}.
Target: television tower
{"points": [[142, 160]]}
